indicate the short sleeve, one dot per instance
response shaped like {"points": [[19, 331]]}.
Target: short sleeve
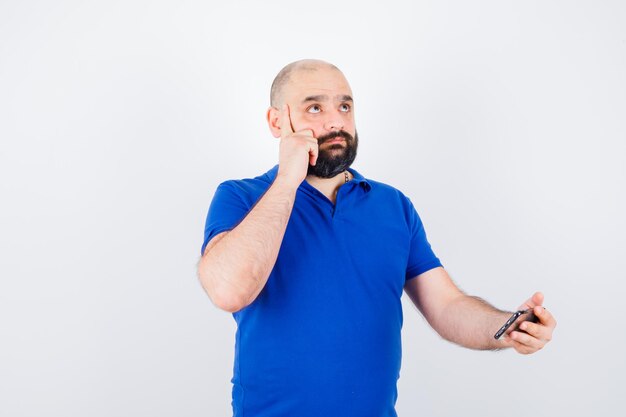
{"points": [[226, 211], [421, 256]]}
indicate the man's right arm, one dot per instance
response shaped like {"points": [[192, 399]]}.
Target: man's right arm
{"points": [[236, 265]]}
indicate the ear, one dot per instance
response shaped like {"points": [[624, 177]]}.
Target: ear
{"points": [[273, 121]]}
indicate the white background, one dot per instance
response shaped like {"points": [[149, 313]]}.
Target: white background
{"points": [[504, 121]]}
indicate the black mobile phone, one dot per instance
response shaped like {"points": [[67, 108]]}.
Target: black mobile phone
{"points": [[527, 315]]}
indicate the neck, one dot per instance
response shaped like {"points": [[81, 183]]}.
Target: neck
{"points": [[329, 186]]}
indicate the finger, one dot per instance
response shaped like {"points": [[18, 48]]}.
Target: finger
{"points": [[285, 123], [535, 300], [520, 348], [526, 340], [538, 331], [313, 153], [506, 339], [545, 317]]}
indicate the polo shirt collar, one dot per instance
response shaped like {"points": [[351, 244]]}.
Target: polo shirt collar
{"points": [[357, 177], [360, 179]]}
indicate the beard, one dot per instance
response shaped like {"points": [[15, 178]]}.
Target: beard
{"points": [[337, 157]]}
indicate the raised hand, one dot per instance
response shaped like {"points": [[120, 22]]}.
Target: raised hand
{"points": [[297, 150]]}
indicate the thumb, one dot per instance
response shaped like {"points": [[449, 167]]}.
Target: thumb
{"points": [[535, 300]]}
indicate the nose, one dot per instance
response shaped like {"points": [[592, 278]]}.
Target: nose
{"points": [[334, 121]]}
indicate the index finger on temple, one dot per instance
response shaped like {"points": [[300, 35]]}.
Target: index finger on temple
{"points": [[285, 123]]}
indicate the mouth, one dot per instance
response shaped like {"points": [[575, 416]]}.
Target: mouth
{"points": [[336, 139]]}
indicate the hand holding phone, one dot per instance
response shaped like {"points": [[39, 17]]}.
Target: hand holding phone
{"points": [[527, 315]]}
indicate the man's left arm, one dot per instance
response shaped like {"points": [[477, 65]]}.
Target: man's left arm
{"points": [[470, 321]]}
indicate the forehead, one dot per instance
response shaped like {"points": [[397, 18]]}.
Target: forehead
{"points": [[320, 81]]}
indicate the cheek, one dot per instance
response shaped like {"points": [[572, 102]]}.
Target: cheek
{"points": [[349, 121], [308, 122], [350, 129]]}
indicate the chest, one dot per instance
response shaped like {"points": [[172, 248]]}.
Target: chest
{"points": [[335, 250]]}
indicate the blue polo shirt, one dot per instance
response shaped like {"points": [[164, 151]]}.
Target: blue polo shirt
{"points": [[323, 336]]}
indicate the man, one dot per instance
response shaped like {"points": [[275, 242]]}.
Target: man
{"points": [[312, 258]]}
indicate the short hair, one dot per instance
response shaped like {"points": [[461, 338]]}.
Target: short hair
{"points": [[284, 75]]}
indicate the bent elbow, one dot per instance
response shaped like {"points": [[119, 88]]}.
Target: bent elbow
{"points": [[228, 302], [223, 296], [229, 289]]}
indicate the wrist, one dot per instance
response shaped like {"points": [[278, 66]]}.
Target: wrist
{"points": [[286, 182]]}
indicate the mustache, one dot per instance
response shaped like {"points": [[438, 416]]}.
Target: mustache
{"points": [[332, 135]]}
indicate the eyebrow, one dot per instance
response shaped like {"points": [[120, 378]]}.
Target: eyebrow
{"points": [[324, 97]]}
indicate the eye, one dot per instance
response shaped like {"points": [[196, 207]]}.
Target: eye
{"points": [[314, 109], [344, 107]]}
